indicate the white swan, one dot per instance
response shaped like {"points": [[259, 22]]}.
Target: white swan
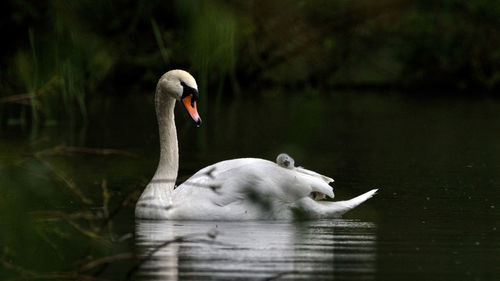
{"points": [[238, 189]]}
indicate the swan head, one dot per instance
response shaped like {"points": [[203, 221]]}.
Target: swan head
{"points": [[180, 85], [285, 161]]}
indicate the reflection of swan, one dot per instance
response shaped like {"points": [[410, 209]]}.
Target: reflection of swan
{"points": [[256, 250], [238, 189]]}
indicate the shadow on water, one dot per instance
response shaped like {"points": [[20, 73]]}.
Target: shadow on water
{"points": [[256, 250]]}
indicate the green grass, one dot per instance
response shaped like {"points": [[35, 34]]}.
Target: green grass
{"points": [[70, 52], [57, 72]]}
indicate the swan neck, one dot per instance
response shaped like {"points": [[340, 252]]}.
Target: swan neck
{"points": [[168, 164]]}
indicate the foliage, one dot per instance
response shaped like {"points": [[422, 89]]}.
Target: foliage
{"points": [[61, 54]]}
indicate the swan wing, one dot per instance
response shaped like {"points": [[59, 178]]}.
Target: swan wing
{"points": [[314, 174], [241, 179]]}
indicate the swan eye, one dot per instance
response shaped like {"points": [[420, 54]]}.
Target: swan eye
{"points": [[189, 91]]}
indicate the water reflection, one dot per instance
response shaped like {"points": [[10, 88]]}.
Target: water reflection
{"points": [[264, 250]]}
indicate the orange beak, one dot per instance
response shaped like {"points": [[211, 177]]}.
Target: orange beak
{"points": [[190, 106]]}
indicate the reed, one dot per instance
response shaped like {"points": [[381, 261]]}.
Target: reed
{"points": [[57, 72], [212, 43], [72, 51], [164, 51]]}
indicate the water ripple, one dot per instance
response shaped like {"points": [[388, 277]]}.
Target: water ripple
{"points": [[257, 250]]}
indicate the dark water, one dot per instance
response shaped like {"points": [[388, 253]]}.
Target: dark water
{"points": [[67, 211]]}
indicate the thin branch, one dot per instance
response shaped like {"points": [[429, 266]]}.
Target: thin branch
{"points": [[281, 274], [66, 181], [213, 187], [64, 150], [26, 274], [180, 239], [21, 98], [50, 216], [125, 237], [83, 231], [106, 260], [105, 202], [125, 201]]}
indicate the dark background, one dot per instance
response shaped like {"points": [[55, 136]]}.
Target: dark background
{"points": [[396, 95], [58, 52]]}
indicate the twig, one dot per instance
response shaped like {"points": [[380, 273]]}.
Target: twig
{"points": [[63, 149], [70, 219], [84, 231], [105, 202], [21, 98], [125, 201], [106, 260], [26, 274], [126, 236], [179, 239], [213, 187], [154, 206], [281, 274], [66, 181], [58, 215]]}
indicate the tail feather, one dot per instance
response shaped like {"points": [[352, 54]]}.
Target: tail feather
{"points": [[354, 202], [338, 208]]}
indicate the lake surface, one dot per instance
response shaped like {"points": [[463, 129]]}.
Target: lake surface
{"points": [[263, 250], [67, 192]]}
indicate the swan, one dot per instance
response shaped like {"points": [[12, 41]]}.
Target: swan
{"points": [[237, 189]]}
